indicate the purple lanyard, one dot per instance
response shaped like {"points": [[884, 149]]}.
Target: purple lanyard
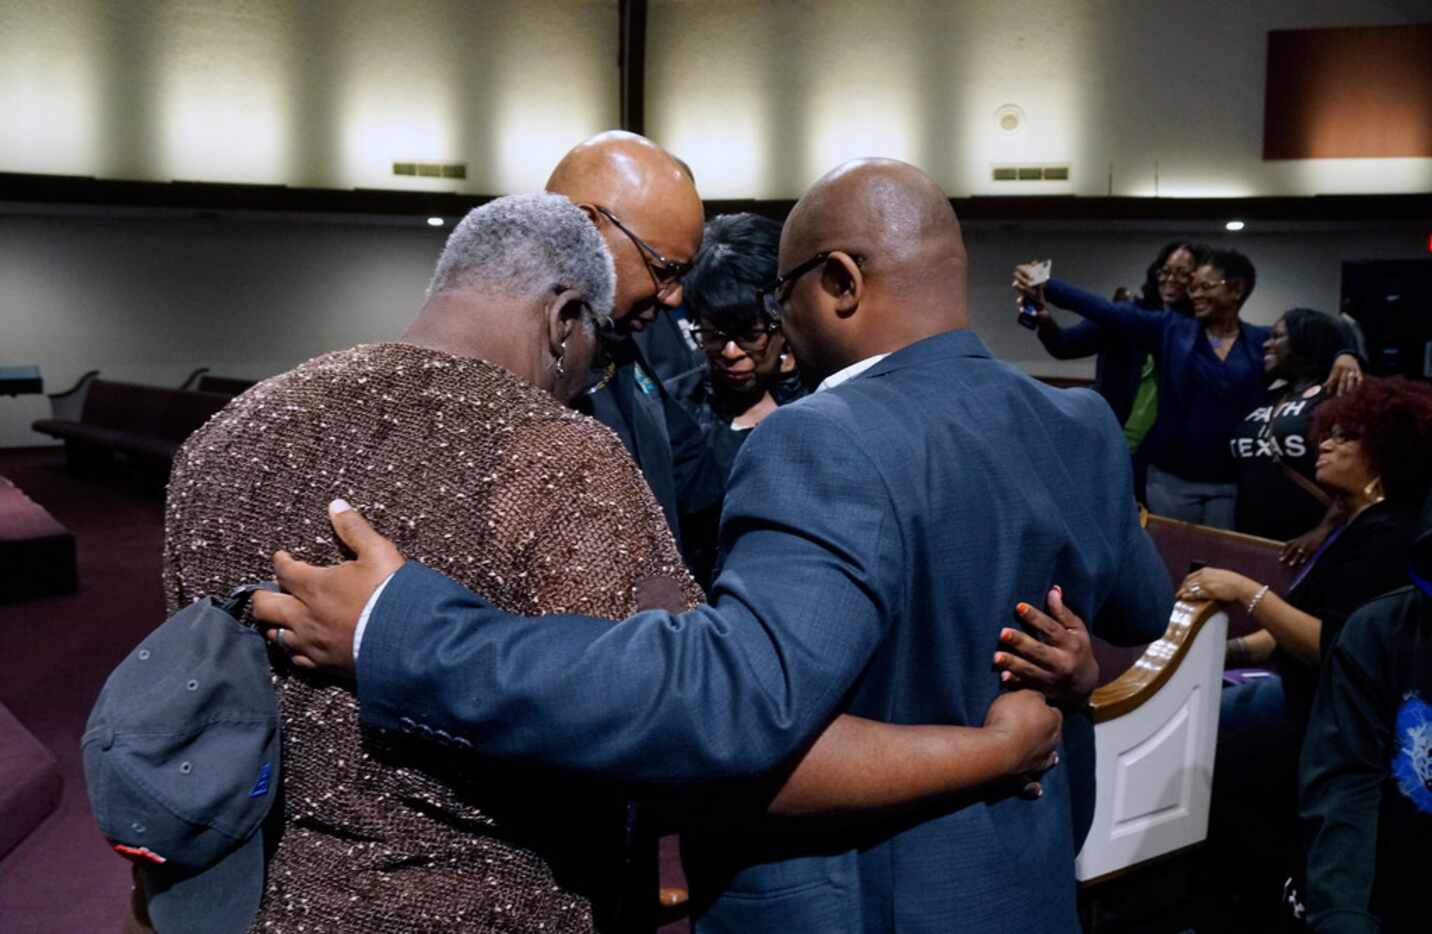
{"points": [[1423, 584], [1332, 537]]}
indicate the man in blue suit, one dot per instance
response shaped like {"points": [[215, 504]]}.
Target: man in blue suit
{"points": [[875, 536]]}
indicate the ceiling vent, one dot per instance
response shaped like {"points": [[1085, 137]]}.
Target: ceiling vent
{"points": [[1030, 173], [431, 169]]}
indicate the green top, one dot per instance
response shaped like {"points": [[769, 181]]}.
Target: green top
{"points": [[1145, 407]]}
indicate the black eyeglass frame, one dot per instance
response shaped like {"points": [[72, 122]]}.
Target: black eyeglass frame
{"points": [[760, 342], [771, 297], [665, 273]]}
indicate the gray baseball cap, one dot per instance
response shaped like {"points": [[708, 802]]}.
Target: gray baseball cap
{"points": [[181, 757]]}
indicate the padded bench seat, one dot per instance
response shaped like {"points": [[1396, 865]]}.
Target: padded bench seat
{"points": [[109, 438], [29, 782], [37, 553], [147, 423]]}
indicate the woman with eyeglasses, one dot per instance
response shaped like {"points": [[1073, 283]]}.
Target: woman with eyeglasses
{"points": [[1375, 460], [748, 370], [1210, 375], [1124, 374], [1274, 448]]}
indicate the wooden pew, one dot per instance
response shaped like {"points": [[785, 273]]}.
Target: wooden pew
{"points": [[225, 385], [1181, 544], [144, 423], [69, 404], [201, 381], [1155, 727]]}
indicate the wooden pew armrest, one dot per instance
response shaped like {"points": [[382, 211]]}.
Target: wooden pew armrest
{"points": [[79, 384], [68, 405], [192, 379], [1158, 663]]}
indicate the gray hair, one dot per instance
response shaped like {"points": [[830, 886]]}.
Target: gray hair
{"points": [[525, 245]]}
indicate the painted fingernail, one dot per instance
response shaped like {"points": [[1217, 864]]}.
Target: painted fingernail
{"points": [[1059, 590], [339, 505], [1005, 676], [1006, 634], [998, 658], [1022, 609]]}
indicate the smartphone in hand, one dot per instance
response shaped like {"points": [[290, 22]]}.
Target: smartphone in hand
{"points": [[1034, 274]]}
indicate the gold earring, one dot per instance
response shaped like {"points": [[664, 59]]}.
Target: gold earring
{"points": [[1375, 484]]}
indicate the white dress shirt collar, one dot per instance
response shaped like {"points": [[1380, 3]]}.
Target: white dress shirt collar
{"points": [[850, 372]]}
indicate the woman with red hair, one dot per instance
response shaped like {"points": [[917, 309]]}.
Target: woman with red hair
{"points": [[1375, 460]]}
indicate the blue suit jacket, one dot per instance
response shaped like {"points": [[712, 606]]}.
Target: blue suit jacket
{"points": [[877, 537]]}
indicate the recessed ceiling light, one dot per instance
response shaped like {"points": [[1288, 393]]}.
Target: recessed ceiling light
{"points": [[438, 222], [1234, 225]]}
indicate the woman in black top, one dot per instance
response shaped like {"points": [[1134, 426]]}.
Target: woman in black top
{"points": [[748, 370], [1273, 446], [1374, 459], [1366, 771]]}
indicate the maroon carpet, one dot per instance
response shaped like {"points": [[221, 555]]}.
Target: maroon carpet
{"points": [[54, 656]]}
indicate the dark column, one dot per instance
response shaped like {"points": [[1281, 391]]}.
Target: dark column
{"points": [[632, 61]]}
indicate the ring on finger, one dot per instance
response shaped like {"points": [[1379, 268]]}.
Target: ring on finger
{"points": [[278, 638]]}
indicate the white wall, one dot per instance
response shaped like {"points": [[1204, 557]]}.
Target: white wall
{"points": [[149, 300], [762, 98], [318, 94]]}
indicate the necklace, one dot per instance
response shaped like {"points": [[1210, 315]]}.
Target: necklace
{"points": [[1217, 341]]}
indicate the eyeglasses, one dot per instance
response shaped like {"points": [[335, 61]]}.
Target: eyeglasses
{"points": [[751, 340], [1173, 274], [1200, 287], [665, 273], [774, 296], [1339, 436]]}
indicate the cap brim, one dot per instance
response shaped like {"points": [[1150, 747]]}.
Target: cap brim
{"points": [[222, 899]]}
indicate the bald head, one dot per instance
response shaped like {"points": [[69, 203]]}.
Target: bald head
{"points": [[651, 193], [624, 172], [896, 273], [895, 218]]}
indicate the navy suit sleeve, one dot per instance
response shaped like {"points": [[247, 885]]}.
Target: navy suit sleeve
{"points": [[724, 691], [1082, 339], [1138, 608], [1142, 326]]}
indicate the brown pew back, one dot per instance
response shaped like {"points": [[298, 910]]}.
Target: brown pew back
{"points": [[1181, 544]]}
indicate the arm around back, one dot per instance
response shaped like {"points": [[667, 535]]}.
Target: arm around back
{"points": [[724, 691]]}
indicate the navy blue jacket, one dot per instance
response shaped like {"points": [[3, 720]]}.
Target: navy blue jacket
{"points": [[1201, 398], [666, 442], [876, 538]]}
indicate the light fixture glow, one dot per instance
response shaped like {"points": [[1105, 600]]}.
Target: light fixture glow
{"points": [[1234, 225], [435, 222]]}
